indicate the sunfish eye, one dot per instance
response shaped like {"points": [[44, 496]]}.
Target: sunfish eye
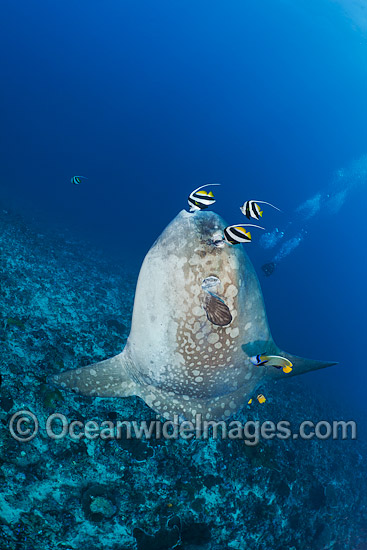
{"points": [[217, 240]]}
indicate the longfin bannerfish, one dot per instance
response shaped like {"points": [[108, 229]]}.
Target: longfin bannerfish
{"points": [[199, 199], [251, 209], [236, 234], [276, 361], [77, 179]]}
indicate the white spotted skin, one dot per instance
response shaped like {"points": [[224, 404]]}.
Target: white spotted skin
{"points": [[173, 347], [175, 359]]}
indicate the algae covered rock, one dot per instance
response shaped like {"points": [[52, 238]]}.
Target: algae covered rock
{"points": [[98, 503]]}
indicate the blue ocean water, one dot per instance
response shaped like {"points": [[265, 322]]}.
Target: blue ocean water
{"points": [[149, 100]]}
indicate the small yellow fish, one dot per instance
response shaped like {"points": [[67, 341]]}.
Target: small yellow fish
{"points": [[260, 398]]}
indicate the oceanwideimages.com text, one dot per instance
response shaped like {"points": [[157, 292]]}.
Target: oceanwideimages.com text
{"points": [[25, 426]]}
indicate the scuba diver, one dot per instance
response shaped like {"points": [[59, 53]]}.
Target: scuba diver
{"points": [[284, 241]]}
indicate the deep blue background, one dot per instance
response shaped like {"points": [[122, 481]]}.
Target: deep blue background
{"points": [[152, 99]]}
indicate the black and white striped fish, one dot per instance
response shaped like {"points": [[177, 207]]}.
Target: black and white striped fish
{"points": [[77, 179], [199, 200], [235, 234], [251, 209]]}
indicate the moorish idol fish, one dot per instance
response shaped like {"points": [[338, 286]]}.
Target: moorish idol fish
{"points": [[272, 361], [251, 209], [235, 234], [77, 179], [199, 200]]}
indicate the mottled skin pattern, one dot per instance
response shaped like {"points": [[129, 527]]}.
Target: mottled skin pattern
{"points": [[175, 358]]}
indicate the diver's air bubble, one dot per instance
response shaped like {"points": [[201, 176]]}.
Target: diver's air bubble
{"points": [[309, 208], [269, 240], [346, 179], [329, 201], [335, 203], [288, 247]]}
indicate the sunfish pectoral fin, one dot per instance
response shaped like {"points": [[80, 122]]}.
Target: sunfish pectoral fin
{"points": [[300, 365], [216, 310], [108, 378]]}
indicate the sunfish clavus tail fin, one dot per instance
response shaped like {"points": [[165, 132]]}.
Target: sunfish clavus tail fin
{"points": [[301, 365], [108, 378]]}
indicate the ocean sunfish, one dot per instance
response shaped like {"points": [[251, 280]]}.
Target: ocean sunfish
{"points": [[189, 350]]}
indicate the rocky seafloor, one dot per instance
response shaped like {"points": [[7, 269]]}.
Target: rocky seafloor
{"points": [[63, 305]]}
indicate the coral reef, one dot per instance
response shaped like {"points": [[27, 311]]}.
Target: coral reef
{"points": [[63, 305]]}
